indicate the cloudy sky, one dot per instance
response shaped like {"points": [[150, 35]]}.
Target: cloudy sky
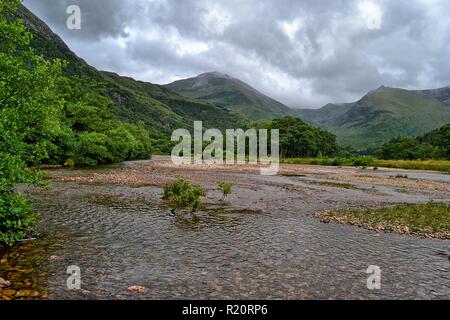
{"points": [[304, 53]]}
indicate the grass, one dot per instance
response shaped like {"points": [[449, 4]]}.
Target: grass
{"points": [[336, 185], [428, 220], [433, 165], [338, 161]]}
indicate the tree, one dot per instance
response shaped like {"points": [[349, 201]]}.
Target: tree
{"points": [[29, 117], [298, 139]]}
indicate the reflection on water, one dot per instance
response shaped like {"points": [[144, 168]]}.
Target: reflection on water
{"points": [[430, 176], [121, 236]]}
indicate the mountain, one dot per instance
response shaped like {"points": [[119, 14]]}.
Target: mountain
{"points": [[161, 109], [323, 116], [231, 93], [224, 102], [441, 94], [381, 115]]}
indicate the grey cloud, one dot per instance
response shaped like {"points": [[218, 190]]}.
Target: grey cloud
{"points": [[100, 18], [330, 55]]}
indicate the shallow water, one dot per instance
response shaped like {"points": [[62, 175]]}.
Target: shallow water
{"points": [[121, 236], [430, 176]]}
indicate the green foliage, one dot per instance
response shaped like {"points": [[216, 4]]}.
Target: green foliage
{"points": [[362, 161], [433, 145], [298, 139], [158, 109], [29, 112], [183, 193], [226, 188], [336, 162], [92, 134], [16, 218], [434, 165], [431, 219], [233, 94], [48, 118], [380, 116], [440, 139]]}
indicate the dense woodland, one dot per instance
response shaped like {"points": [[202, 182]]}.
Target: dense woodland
{"points": [[433, 145]]}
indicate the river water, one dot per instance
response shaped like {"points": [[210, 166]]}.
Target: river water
{"points": [[267, 244]]}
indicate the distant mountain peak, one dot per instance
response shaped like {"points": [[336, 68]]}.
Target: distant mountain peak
{"points": [[214, 74], [382, 88], [232, 93]]}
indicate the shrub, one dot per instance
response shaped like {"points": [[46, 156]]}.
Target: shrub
{"points": [[183, 193], [362, 161], [28, 118], [226, 188], [16, 217]]}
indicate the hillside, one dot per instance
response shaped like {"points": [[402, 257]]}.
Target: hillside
{"points": [[381, 115], [160, 109], [323, 116], [441, 94], [231, 93]]}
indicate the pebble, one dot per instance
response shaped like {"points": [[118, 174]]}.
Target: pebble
{"points": [[137, 289], [27, 293], [9, 292], [4, 283]]}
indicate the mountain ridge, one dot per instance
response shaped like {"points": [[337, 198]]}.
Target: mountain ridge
{"points": [[231, 93], [222, 101], [382, 114], [161, 109]]}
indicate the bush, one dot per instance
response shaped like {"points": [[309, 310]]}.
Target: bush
{"points": [[431, 146], [29, 116], [226, 188], [183, 193], [362, 161], [16, 217]]}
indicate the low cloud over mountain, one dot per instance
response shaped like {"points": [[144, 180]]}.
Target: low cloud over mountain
{"points": [[303, 53]]}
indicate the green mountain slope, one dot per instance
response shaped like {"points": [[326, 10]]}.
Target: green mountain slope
{"points": [[231, 93], [323, 116], [381, 115], [160, 109], [441, 94]]}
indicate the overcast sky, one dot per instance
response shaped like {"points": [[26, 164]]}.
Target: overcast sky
{"points": [[304, 53]]}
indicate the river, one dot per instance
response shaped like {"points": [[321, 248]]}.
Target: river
{"points": [[262, 243]]}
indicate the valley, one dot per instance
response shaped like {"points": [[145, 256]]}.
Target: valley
{"points": [[88, 192]]}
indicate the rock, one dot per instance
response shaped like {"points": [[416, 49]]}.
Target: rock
{"points": [[4, 283], [27, 293], [22, 293], [137, 289], [9, 292]]}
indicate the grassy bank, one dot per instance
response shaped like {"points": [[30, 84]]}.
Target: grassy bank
{"points": [[429, 220], [434, 165]]}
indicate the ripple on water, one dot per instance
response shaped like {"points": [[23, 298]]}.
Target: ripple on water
{"points": [[122, 236]]}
